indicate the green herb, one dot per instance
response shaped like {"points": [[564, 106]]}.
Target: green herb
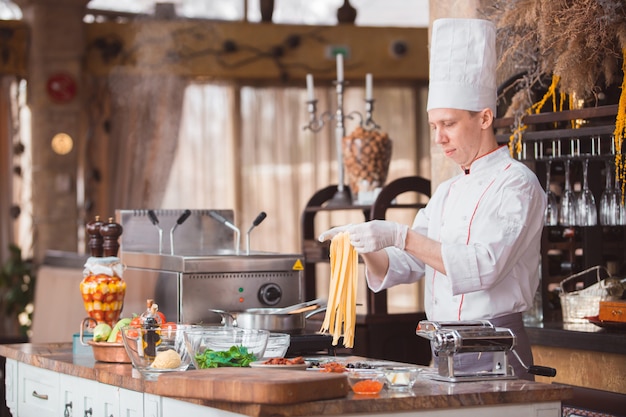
{"points": [[236, 356]]}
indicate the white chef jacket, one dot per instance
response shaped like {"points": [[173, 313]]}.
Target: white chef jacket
{"points": [[489, 222]]}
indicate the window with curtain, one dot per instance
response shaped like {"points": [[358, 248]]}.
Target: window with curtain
{"points": [[245, 148]]}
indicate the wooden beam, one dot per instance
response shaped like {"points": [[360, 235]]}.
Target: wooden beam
{"points": [[255, 51]]}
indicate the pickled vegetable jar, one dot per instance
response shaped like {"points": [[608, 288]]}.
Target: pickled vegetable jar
{"points": [[103, 289]]}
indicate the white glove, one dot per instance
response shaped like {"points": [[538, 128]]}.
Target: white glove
{"points": [[375, 235], [331, 233], [371, 236]]}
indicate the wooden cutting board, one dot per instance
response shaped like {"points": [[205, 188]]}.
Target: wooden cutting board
{"points": [[254, 385]]}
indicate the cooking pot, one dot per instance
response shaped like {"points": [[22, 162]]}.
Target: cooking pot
{"points": [[269, 319]]}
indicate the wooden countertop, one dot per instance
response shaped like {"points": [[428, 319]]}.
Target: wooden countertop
{"points": [[426, 394]]}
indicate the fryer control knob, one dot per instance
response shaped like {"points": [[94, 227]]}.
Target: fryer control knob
{"points": [[270, 294]]}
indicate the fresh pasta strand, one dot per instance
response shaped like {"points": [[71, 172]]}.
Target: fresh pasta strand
{"points": [[340, 316]]}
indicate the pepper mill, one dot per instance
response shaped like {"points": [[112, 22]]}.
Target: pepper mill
{"points": [[110, 232], [95, 238]]}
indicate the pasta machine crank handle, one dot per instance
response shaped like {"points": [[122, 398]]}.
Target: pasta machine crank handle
{"points": [[536, 369]]}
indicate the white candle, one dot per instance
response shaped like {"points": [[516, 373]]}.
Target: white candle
{"points": [[368, 86], [339, 67], [309, 87]]}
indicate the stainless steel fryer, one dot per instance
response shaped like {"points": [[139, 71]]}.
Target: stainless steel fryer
{"points": [[193, 261]]}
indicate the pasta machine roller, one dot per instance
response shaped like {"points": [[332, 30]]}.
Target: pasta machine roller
{"points": [[451, 338]]}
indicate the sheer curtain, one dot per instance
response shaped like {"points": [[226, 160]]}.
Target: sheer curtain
{"points": [[245, 148], [15, 203], [146, 111], [6, 167]]}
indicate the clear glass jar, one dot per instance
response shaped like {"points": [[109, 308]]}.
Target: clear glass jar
{"points": [[366, 157], [103, 289]]}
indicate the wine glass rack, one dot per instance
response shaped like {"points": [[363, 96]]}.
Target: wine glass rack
{"points": [[575, 136]]}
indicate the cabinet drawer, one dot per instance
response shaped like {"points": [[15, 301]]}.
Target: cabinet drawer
{"points": [[38, 391], [131, 403]]}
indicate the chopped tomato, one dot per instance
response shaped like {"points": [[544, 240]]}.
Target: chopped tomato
{"points": [[132, 333], [333, 367], [170, 325], [162, 317], [135, 322]]}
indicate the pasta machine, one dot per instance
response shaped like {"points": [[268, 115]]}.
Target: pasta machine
{"points": [[451, 338]]}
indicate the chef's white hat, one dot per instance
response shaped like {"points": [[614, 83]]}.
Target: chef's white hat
{"points": [[462, 65]]}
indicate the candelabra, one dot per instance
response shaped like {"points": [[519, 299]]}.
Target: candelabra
{"points": [[343, 196]]}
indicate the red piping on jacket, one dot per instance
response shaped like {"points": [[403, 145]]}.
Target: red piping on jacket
{"points": [[469, 228]]}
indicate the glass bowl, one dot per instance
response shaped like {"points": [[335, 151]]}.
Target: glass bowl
{"points": [[154, 352], [366, 382], [229, 341], [277, 345], [400, 377]]}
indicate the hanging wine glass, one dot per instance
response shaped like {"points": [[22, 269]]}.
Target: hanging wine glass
{"points": [[586, 210], [567, 211], [551, 217], [608, 200], [618, 212]]}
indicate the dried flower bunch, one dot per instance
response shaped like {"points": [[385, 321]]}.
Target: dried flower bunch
{"points": [[579, 44], [580, 41]]}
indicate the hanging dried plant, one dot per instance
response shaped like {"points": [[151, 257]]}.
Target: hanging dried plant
{"points": [[580, 41], [580, 44]]}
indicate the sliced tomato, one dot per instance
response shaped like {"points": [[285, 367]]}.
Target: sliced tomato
{"points": [[170, 325], [162, 317], [132, 333]]}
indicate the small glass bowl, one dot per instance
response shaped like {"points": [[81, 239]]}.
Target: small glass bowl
{"points": [[366, 382], [148, 350], [400, 377], [221, 339]]}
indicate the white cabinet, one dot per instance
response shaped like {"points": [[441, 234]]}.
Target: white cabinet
{"points": [[131, 403], [152, 405], [86, 398], [107, 403], [68, 396], [37, 392], [10, 382]]}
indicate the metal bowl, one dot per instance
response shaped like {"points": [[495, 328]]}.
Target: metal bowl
{"points": [[109, 352]]}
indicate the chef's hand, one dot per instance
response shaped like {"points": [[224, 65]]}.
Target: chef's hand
{"points": [[371, 236], [331, 233]]}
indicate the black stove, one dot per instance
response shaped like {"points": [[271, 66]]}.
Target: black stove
{"points": [[310, 344]]}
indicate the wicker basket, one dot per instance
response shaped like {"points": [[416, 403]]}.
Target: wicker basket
{"points": [[577, 305]]}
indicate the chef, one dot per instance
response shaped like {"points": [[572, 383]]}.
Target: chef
{"points": [[477, 242]]}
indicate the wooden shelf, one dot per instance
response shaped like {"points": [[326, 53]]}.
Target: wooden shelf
{"points": [[580, 247]]}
